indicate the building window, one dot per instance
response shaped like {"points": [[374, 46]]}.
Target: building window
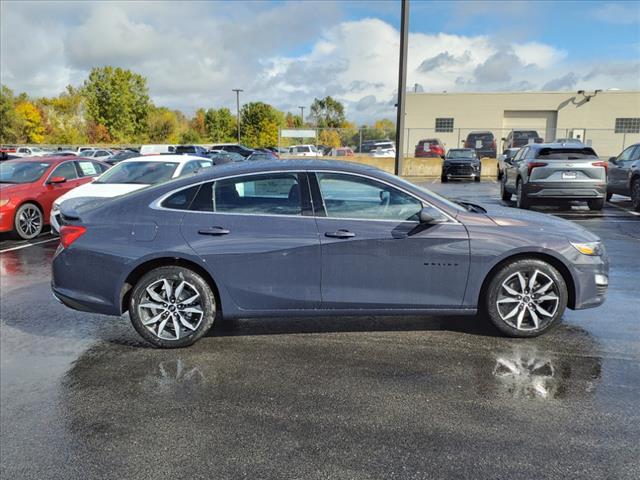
{"points": [[627, 125], [444, 124]]}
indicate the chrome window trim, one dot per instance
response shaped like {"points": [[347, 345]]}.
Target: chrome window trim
{"points": [[59, 165], [156, 204]]}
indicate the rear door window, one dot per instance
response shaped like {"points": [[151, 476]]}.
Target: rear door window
{"points": [[87, 168]]}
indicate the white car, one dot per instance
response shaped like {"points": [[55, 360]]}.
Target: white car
{"points": [[304, 151], [30, 152], [130, 175], [383, 149], [98, 153], [156, 149]]}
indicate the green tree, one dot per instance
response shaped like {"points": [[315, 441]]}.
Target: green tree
{"points": [[64, 117], [8, 119], [119, 100], [198, 124], [327, 113], [162, 125], [189, 136], [293, 121], [259, 123], [220, 125]]}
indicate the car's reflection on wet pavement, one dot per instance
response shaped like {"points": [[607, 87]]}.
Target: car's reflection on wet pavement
{"points": [[83, 397]]}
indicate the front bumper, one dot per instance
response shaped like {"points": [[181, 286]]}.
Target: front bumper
{"points": [[460, 171], [576, 191], [591, 283]]}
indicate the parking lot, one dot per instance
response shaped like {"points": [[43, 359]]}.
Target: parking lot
{"points": [[361, 398]]}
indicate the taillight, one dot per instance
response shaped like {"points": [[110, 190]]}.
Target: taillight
{"points": [[601, 164], [493, 144], [70, 233], [533, 165]]}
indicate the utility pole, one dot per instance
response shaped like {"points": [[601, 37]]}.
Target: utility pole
{"points": [[402, 82], [238, 90], [302, 114]]}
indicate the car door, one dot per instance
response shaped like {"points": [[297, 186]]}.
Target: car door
{"points": [[619, 170], [51, 191], [376, 254], [259, 237], [511, 170]]}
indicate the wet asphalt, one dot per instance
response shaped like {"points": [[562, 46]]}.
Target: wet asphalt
{"points": [[82, 396]]}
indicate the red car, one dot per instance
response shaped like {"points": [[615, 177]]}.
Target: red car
{"points": [[431, 147], [29, 186]]}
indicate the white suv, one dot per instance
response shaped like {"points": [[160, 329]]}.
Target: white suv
{"points": [[304, 151]]}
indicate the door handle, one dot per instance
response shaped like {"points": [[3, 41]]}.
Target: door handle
{"points": [[215, 231], [340, 234]]}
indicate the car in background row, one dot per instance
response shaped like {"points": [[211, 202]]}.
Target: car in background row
{"points": [[369, 145], [461, 164], [484, 143], [312, 237], [220, 157], [520, 138], [4, 155], [30, 152], [156, 149], [99, 153], [120, 156], [383, 149], [429, 148], [130, 175], [191, 150], [29, 187], [555, 172], [258, 155], [304, 151], [341, 152], [572, 141], [507, 155], [624, 175], [233, 147]]}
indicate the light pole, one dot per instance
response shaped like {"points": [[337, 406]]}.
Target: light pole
{"points": [[302, 114], [402, 84], [238, 90]]}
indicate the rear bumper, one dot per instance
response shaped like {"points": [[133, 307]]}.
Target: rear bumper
{"points": [[566, 190]]}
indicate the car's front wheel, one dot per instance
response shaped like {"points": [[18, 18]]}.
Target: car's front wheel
{"points": [[504, 193], [526, 298], [28, 222], [172, 307]]}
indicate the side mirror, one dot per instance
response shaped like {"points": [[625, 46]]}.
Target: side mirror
{"points": [[57, 180], [426, 216], [613, 160]]}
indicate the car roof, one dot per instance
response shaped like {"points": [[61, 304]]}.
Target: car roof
{"points": [[50, 160], [163, 158], [559, 146]]}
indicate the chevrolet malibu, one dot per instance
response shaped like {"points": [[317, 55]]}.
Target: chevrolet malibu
{"points": [[312, 237]]}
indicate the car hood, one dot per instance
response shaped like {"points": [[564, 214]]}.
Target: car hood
{"points": [[538, 223], [100, 190]]}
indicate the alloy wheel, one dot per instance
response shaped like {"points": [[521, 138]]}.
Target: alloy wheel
{"points": [[528, 300], [171, 309], [29, 222], [635, 194]]}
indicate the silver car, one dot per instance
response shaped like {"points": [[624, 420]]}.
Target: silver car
{"points": [[554, 172]]}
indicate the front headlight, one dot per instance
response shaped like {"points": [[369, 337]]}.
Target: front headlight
{"points": [[593, 249], [3, 201]]}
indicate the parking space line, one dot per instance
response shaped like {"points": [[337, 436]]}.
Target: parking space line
{"points": [[28, 245], [636, 214]]}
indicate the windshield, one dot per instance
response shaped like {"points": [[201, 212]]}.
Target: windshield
{"points": [[143, 173], [22, 172], [461, 154]]}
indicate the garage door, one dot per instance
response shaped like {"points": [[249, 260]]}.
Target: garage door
{"points": [[543, 121]]}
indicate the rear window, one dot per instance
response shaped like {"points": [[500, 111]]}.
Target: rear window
{"points": [[525, 134], [566, 153], [143, 173], [480, 136]]}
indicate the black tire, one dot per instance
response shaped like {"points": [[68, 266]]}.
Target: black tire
{"points": [[443, 179], [504, 194], [172, 317], [521, 197], [609, 195], [498, 175], [28, 222], [596, 204], [477, 179], [508, 273], [635, 194]]}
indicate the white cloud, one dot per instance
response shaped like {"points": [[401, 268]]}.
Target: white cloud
{"points": [[193, 54], [627, 13]]}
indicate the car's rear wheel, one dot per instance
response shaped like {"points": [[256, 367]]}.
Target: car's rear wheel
{"points": [[635, 194], [172, 307], [596, 204], [526, 298], [443, 179], [504, 193], [522, 201], [28, 222]]}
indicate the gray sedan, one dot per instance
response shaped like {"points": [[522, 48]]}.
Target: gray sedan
{"points": [[305, 237]]}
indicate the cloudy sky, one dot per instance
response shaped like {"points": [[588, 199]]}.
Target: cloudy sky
{"points": [[287, 53]]}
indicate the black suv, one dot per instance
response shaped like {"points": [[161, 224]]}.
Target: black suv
{"points": [[461, 163], [520, 138], [624, 175]]}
